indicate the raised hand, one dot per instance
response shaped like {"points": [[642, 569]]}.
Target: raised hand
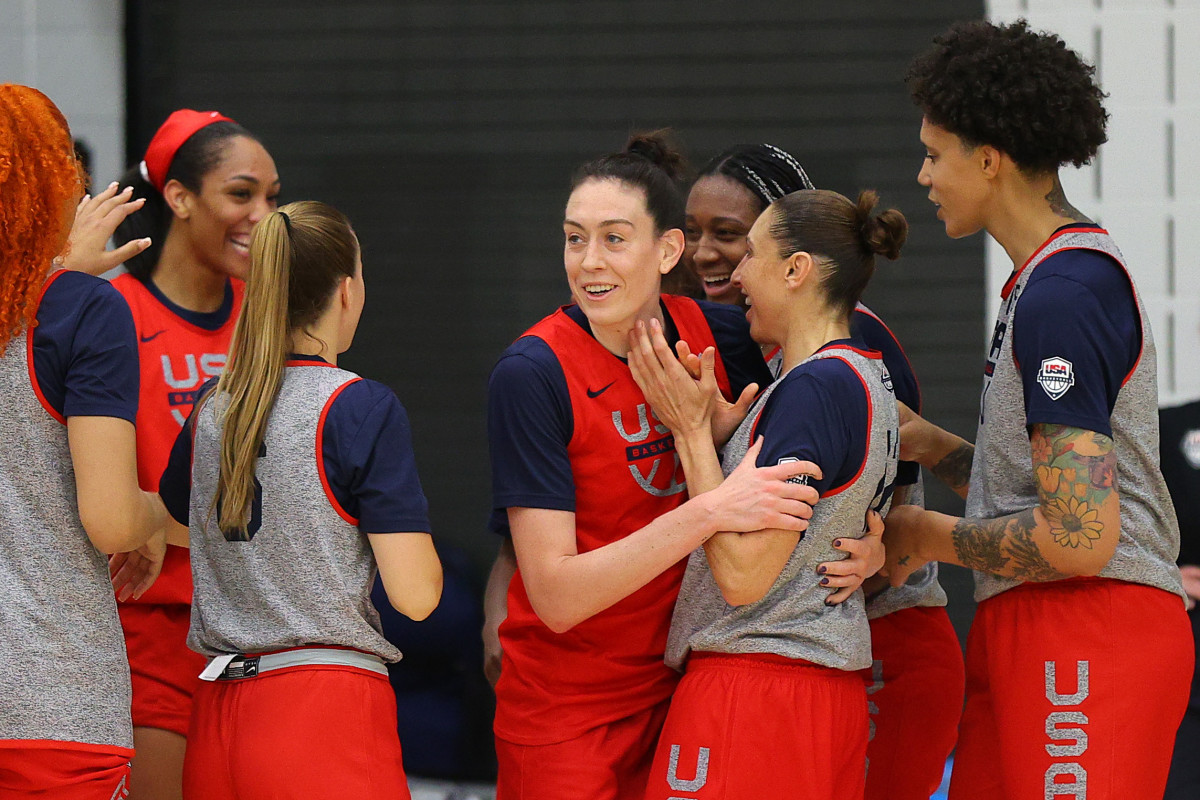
{"points": [[96, 219], [680, 401]]}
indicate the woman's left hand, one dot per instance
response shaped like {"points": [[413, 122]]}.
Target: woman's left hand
{"points": [[134, 572], [96, 219], [679, 401], [866, 558]]}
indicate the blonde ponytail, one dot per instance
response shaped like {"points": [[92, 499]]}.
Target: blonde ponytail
{"points": [[298, 256], [254, 371]]}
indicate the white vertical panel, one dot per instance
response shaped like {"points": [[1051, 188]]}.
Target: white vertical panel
{"points": [[1135, 160]]}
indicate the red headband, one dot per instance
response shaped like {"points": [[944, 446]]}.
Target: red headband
{"points": [[178, 128]]}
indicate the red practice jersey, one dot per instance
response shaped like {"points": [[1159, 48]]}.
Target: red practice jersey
{"points": [[626, 474], [176, 358]]}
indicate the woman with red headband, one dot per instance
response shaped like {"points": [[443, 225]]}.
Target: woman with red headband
{"points": [[68, 399], [205, 182]]}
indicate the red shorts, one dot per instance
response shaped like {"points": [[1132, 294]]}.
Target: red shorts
{"points": [[162, 669], [609, 762], [915, 699], [758, 727], [51, 770], [1077, 684], [306, 731]]}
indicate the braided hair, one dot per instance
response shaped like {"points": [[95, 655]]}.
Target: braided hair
{"points": [[766, 170]]}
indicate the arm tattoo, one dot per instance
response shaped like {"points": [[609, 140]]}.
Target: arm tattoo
{"points": [[1028, 563], [1003, 546], [1074, 479], [1074, 471], [978, 544], [955, 469], [1061, 206]]}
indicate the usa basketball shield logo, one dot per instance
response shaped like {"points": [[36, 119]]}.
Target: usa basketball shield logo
{"points": [[1056, 376]]}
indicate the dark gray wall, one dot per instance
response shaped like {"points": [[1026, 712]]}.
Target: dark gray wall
{"points": [[446, 130]]}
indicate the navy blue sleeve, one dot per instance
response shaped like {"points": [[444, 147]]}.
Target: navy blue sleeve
{"points": [[1076, 336], [743, 358], [369, 462], [85, 349], [175, 484], [529, 428], [876, 335], [818, 413]]}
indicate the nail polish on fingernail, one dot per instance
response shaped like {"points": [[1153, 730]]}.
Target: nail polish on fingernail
{"points": [[824, 581], [828, 603], [821, 570], [837, 542]]}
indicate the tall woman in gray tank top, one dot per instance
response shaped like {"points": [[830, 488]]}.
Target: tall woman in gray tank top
{"points": [[68, 400], [770, 705], [297, 482]]}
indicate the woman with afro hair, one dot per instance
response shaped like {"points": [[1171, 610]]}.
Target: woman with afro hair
{"points": [[68, 400], [1068, 523]]}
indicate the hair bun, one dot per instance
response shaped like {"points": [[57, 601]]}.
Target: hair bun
{"points": [[659, 148], [883, 234]]}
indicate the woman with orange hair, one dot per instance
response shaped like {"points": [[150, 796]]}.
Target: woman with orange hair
{"points": [[68, 399]]}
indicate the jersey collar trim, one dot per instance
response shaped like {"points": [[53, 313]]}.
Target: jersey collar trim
{"points": [[1065, 229]]}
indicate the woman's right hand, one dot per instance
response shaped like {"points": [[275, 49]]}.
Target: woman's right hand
{"points": [[681, 402], [761, 498]]}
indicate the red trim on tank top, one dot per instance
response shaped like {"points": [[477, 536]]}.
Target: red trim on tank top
{"points": [[874, 355], [861, 309], [1124, 271], [300, 363], [870, 414], [1012, 279], [33, 381], [870, 418], [341, 512]]}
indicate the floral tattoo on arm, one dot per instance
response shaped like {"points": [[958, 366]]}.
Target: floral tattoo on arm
{"points": [[1074, 470]]}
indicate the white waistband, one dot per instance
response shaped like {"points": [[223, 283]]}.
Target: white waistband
{"points": [[234, 666]]}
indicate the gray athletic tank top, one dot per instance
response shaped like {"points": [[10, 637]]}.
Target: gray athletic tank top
{"points": [[63, 671], [305, 575], [792, 620], [1002, 480], [922, 588]]}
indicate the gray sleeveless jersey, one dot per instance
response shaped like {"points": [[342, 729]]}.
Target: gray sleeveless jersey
{"points": [[922, 588], [305, 575], [792, 619], [63, 671], [1002, 479]]}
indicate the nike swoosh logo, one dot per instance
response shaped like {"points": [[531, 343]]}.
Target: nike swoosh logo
{"points": [[152, 336], [598, 392]]}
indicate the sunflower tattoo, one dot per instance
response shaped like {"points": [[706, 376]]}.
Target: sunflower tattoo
{"points": [[1073, 523]]}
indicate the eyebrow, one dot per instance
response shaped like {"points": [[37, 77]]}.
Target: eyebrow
{"points": [[602, 224], [249, 179]]}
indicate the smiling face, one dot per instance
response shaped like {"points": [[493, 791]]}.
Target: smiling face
{"points": [[614, 257], [720, 212], [760, 277], [238, 192], [956, 181]]}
